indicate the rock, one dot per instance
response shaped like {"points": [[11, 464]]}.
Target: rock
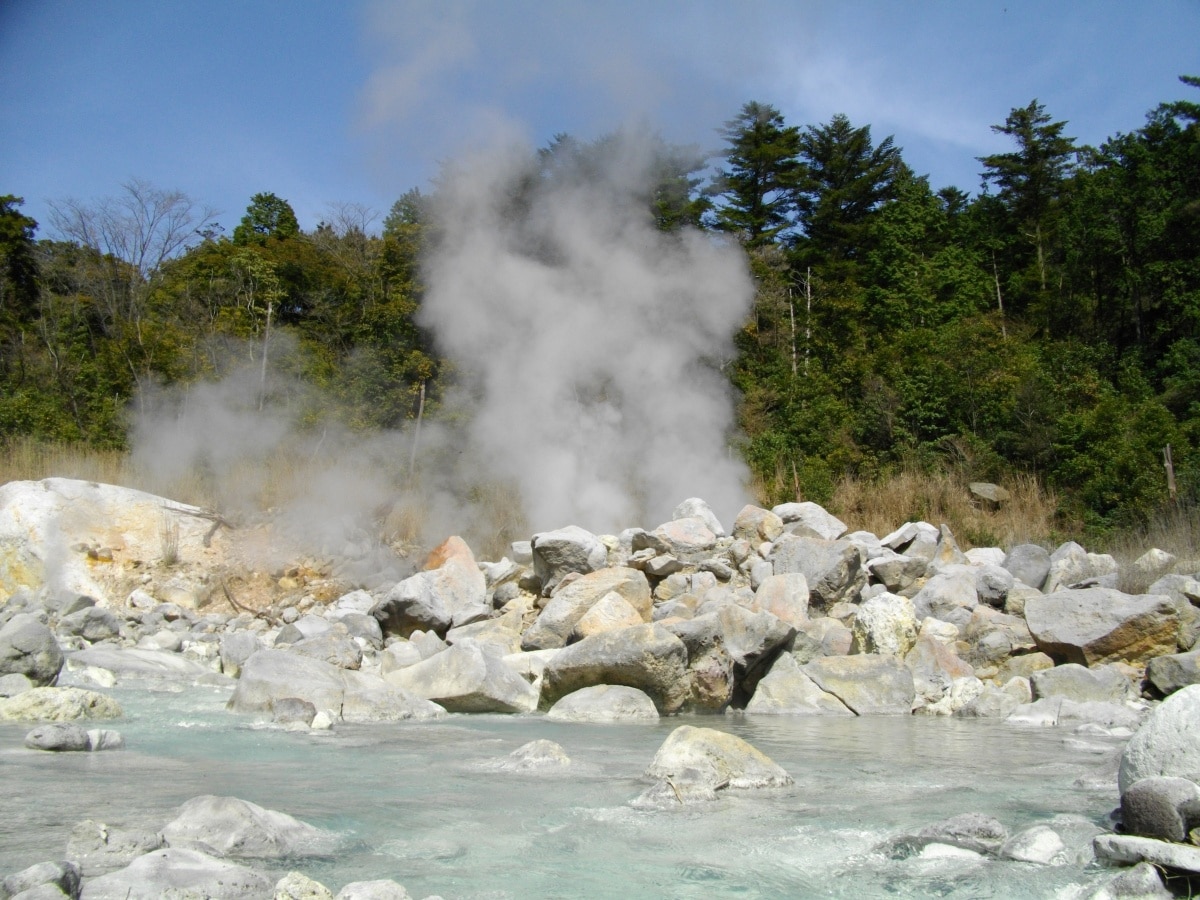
{"points": [[1103, 684], [450, 590], [381, 889], [605, 703], [1144, 571], [1038, 844], [245, 830], [369, 698], [105, 739], [867, 684], [695, 508], [784, 596], [55, 704], [821, 637], [569, 604], [992, 584], [29, 648], [988, 492], [757, 525], [499, 636], [536, 756], [886, 624], [1174, 671], [787, 690], [297, 886], [1029, 564], [970, 831], [946, 552], [646, 657], [58, 737], [92, 624], [723, 760], [269, 676], [570, 549], [293, 711], [684, 537], [134, 664], [1069, 565], [896, 572], [686, 787], [1098, 625], [61, 877], [1023, 665], [811, 520], [464, 678], [1162, 807], [235, 648], [993, 703], [710, 665], [336, 648], [610, 612], [935, 667], [833, 569], [949, 595], [1124, 848], [11, 685], [179, 872], [1165, 744], [98, 848], [1141, 882]]}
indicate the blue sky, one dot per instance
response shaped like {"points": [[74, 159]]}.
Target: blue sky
{"points": [[358, 101]]}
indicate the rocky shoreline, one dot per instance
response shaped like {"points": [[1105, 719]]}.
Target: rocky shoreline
{"points": [[784, 614]]}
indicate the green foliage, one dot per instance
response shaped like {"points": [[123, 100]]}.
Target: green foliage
{"points": [[266, 217], [763, 166]]}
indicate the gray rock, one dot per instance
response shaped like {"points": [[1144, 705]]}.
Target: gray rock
{"points": [[1148, 568], [1029, 564], [298, 886], [992, 584], [245, 830], [293, 711], [970, 831], [825, 636], [332, 646], [98, 848], [1162, 807], [756, 525], [235, 648], [646, 657], [1103, 684], [811, 517], [1165, 744], [1069, 565], [536, 756], [570, 549], [369, 698], [834, 569], [1098, 625], [379, 889], [179, 872], [787, 690], [58, 737], [464, 678], [897, 572], [1141, 882], [950, 595], [723, 760], [866, 684], [272, 675], [570, 603], [63, 877], [1174, 671], [885, 624], [138, 664], [16, 683], [686, 787], [695, 508], [1038, 844], [935, 667], [605, 703], [991, 493], [59, 704], [29, 648], [92, 624], [1127, 849]]}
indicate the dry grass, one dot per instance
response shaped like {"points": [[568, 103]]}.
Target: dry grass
{"points": [[881, 506], [1175, 529], [24, 459]]}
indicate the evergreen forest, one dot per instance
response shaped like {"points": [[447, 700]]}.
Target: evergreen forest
{"points": [[1047, 323]]}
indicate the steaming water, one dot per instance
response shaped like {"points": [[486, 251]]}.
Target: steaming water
{"points": [[418, 802]]}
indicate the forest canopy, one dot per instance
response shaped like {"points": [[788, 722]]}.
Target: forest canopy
{"points": [[1048, 324]]}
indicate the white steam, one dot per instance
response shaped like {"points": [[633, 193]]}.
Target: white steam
{"points": [[591, 340]]}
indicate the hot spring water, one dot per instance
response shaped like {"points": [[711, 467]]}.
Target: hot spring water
{"points": [[422, 803]]}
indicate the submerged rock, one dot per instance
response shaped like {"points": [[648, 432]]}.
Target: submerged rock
{"points": [[605, 703], [179, 872], [246, 830], [99, 848], [55, 704], [722, 759]]}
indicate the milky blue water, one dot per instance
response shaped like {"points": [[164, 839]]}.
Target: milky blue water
{"points": [[419, 802]]}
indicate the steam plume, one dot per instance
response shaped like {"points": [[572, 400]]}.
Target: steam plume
{"points": [[590, 339]]}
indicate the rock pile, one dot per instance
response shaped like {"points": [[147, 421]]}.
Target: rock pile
{"points": [[786, 613]]}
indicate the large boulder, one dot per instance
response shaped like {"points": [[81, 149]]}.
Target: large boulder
{"points": [[867, 684], [784, 596], [787, 690], [465, 678], [886, 624], [833, 569], [684, 537], [950, 595], [724, 760], [136, 664], [571, 549], [1166, 743], [1102, 684], [1175, 670], [571, 602], [242, 829], [179, 872], [810, 520], [646, 657], [29, 648], [757, 525], [605, 703], [73, 538], [48, 879], [935, 666], [98, 848], [1098, 625], [1162, 807], [59, 704], [1029, 564], [449, 590]]}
